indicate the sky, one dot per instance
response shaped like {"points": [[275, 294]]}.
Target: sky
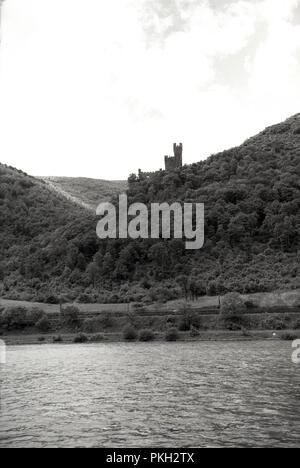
{"points": [[101, 88]]}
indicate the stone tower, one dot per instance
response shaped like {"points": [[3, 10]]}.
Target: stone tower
{"points": [[173, 162]]}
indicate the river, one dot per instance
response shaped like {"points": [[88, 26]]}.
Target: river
{"points": [[202, 394]]}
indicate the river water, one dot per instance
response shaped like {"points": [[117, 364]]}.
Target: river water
{"points": [[214, 394]]}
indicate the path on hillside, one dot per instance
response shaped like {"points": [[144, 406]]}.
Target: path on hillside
{"points": [[69, 197]]}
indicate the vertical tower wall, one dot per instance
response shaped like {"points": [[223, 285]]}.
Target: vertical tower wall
{"points": [[173, 162]]}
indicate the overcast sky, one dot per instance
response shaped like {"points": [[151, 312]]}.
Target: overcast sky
{"points": [[100, 88]]}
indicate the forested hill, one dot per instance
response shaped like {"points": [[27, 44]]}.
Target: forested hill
{"points": [[39, 231], [252, 204], [267, 165]]}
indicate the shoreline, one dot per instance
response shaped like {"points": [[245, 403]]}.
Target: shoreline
{"points": [[184, 337]]}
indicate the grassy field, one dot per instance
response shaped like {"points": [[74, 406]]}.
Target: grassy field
{"points": [[55, 308], [261, 300]]}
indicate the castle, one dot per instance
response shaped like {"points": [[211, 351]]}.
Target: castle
{"points": [[171, 162]]}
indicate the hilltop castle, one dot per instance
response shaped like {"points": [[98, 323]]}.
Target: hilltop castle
{"points": [[173, 162]]}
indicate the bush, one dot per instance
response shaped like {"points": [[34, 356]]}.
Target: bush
{"points": [[14, 318], [289, 336], [194, 333], [246, 333], [41, 339], [52, 300], [172, 335], [130, 333], [92, 325], [189, 320], [146, 335], [33, 316], [232, 325], [58, 339], [81, 338], [184, 324], [70, 317], [296, 324], [43, 325], [85, 299], [108, 321], [232, 306], [274, 323], [171, 320]]}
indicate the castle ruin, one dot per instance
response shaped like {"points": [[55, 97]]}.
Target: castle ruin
{"points": [[173, 162]]}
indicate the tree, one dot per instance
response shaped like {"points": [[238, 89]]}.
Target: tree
{"points": [[93, 272], [183, 282], [232, 306], [70, 316]]}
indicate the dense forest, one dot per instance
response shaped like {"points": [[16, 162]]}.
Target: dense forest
{"points": [[251, 194]]}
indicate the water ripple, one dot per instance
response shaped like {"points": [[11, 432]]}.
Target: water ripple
{"points": [[143, 395]]}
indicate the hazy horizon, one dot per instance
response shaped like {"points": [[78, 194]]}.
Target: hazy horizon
{"points": [[102, 89]]}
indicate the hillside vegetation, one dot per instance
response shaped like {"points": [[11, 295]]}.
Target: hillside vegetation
{"points": [[43, 237], [252, 204], [85, 191]]}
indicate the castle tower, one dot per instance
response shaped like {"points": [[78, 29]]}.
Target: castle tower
{"points": [[173, 162], [178, 149]]}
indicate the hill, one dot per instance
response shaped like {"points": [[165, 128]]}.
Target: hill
{"points": [[41, 234], [84, 191], [252, 204]]}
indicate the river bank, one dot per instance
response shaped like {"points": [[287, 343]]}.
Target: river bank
{"points": [[12, 339]]}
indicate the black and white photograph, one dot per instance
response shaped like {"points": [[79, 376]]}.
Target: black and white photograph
{"points": [[149, 227]]}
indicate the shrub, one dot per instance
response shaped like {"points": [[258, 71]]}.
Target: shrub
{"points": [[296, 324], [232, 306], [52, 300], [33, 316], [85, 299], [107, 320], [274, 323], [43, 324], [146, 335], [188, 321], [246, 333], [81, 338], [92, 325], [184, 324], [194, 333], [70, 317], [58, 339], [130, 333], [172, 335], [289, 336], [171, 320], [41, 339], [14, 318], [232, 325]]}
